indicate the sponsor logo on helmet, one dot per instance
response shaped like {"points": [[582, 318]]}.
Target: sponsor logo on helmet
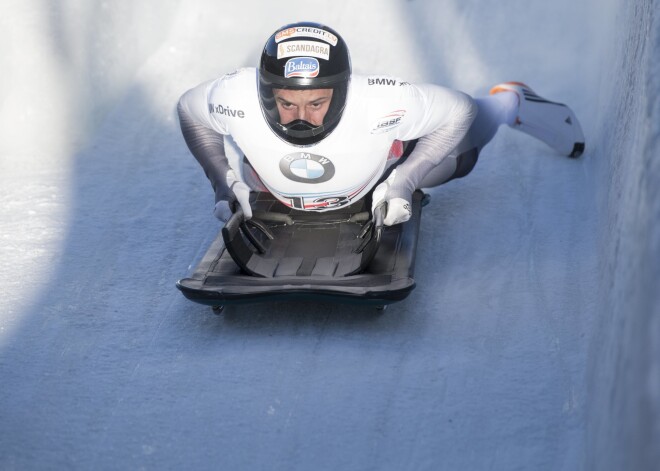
{"points": [[305, 67], [306, 31], [388, 122], [307, 168], [306, 48]]}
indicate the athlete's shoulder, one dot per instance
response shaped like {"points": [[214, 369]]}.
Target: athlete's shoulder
{"points": [[379, 92], [379, 83], [388, 88], [239, 78], [232, 94], [422, 95]]}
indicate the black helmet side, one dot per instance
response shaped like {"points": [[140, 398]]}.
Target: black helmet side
{"points": [[303, 56]]}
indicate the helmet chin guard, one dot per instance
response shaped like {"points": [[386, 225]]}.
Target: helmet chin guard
{"points": [[301, 129], [304, 56]]}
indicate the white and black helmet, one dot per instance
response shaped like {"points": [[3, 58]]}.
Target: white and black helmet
{"points": [[303, 56]]}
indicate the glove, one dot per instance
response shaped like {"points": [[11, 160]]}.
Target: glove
{"points": [[241, 193], [398, 209]]}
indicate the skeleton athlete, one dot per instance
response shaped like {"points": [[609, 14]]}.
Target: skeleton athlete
{"points": [[304, 128]]}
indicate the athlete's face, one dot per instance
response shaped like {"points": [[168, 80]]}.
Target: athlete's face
{"points": [[308, 105]]}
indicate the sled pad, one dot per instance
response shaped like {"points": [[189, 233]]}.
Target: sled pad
{"points": [[345, 255]]}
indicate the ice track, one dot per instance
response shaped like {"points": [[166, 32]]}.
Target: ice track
{"points": [[531, 342]]}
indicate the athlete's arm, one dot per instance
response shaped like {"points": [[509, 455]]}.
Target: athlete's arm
{"points": [[439, 118], [208, 147], [434, 147], [206, 142]]}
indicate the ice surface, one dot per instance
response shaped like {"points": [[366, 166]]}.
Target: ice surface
{"points": [[531, 341]]}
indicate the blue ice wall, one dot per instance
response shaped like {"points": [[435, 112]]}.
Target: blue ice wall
{"points": [[623, 412]]}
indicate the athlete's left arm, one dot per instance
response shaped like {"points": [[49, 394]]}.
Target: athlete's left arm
{"points": [[444, 118], [439, 118]]}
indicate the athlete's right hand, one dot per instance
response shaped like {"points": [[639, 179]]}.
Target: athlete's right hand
{"points": [[241, 194]]}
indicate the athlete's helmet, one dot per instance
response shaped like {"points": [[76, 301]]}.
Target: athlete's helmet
{"points": [[304, 56]]}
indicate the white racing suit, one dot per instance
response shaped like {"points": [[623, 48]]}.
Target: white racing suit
{"points": [[224, 128]]}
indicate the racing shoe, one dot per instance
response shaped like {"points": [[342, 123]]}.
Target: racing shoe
{"points": [[553, 123]]}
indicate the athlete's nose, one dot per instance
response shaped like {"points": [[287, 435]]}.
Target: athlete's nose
{"points": [[301, 113]]}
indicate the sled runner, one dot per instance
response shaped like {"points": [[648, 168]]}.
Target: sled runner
{"points": [[344, 255]]}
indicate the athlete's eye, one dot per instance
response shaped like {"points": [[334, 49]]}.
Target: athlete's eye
{"points": [[285, 104], [318, 104]]}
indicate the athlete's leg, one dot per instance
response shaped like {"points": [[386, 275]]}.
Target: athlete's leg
{"points": [[514, 104], [494, 111], [551, 122]]}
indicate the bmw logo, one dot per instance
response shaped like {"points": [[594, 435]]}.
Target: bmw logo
{"points": [[307, 168]]}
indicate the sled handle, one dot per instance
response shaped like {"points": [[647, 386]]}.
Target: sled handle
{"points": [[270, 216], [237, 223], [374, 227], [261, 226], [250, 236]]}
